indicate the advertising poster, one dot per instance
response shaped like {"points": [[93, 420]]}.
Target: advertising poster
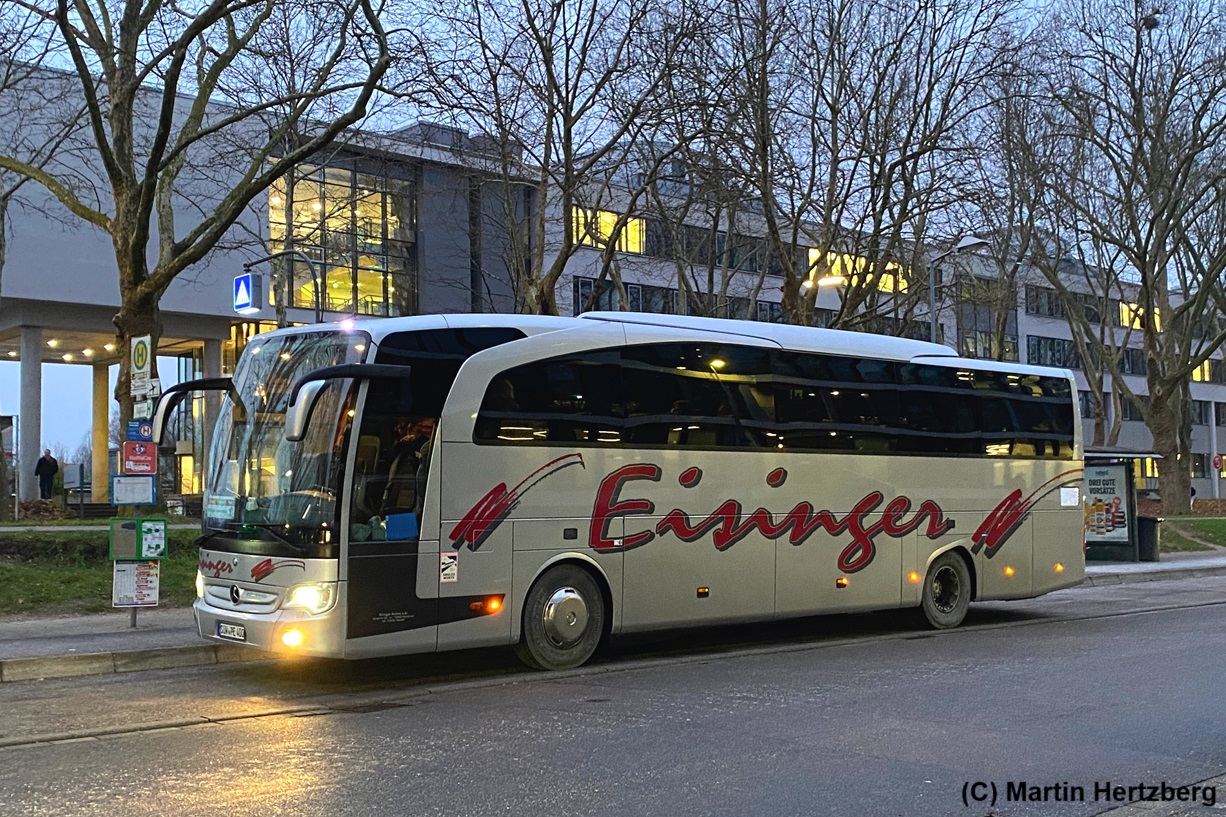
{"points": [[1106, 504]]}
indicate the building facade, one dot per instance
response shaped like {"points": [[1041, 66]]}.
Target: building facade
{"points": [[399, 224]]}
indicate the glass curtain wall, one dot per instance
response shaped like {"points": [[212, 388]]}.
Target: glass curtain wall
{"points": [[359, 228]]}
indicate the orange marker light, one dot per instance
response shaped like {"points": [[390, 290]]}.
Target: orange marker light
{"points": [[1059, 567], [840, 582], [493, 605], [913, 577], [1008, 571]]}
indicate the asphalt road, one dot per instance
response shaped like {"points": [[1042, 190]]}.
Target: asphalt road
{"points": [[853, 716]]}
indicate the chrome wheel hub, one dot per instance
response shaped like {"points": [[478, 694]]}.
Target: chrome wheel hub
{"points": [[565, 617]]}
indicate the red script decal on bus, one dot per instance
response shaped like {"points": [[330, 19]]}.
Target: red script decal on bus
{"points": [[495, 506], [729, 524]]}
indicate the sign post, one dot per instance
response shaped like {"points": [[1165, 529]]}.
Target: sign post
{"points": [[140, 384], [137, 546]]}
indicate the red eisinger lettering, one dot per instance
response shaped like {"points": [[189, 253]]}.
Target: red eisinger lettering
{"points": [[728, 523]]}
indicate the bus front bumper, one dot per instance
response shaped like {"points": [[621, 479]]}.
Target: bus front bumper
{"points": [[287, 632]]}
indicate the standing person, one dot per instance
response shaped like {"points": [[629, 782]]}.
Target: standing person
{"points": [[46, 470]]}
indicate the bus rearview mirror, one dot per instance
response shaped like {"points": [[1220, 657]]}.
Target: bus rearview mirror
{"points": [[298, 415], [306, 391], [177, 394]]}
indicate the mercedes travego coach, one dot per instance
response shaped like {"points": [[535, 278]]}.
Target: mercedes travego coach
{"points": [[438, 482]]}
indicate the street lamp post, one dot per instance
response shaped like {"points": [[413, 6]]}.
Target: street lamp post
{"points": [[310, 262], [965, 244]]}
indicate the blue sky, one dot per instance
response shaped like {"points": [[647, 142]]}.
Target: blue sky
{"points": [[67, 393]]}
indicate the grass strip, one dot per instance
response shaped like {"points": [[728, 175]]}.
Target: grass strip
{"points": [[45, 572]]}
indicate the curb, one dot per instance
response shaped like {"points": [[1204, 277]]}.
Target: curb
{"points": [[1101, 579], [108, 663]]}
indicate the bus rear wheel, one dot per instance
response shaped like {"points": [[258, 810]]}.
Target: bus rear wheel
{"points": [[563, 620], [947, 592]]}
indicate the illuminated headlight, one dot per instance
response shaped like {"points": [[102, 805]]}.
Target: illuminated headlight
{"points": [[199, 585], [315, 597]]}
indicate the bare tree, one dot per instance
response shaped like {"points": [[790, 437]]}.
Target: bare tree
{"points": [[1142, 92], [158, 85], [566, 90], [856, 141]]}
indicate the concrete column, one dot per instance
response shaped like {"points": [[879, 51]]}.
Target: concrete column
{"points": [[100, 468], [212, 404], [31, 443]]}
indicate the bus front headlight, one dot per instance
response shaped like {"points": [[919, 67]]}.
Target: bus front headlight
{"points": [[314, 597]]}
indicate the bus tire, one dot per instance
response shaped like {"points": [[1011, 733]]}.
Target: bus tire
{"points": [[947, 592], [564, 616]]}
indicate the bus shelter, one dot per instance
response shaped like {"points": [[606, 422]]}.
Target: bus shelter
{"points": [[1113, 529]]}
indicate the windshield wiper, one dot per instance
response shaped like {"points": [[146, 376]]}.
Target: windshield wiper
{"points": [[271, 527], [209, 533], [213, 533]]}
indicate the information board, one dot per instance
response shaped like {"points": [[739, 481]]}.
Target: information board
{"points": [[135, 584], [133, 490]]}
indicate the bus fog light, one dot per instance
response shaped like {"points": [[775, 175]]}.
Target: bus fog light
{"points": [[292, 638], [199, 585], [314, 597]]}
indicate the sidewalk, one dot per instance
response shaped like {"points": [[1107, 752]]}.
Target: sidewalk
{"points": [[101, 644]]}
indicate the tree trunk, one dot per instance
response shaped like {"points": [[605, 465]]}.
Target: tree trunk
{"points": [[794, 304], [1174, 480]]}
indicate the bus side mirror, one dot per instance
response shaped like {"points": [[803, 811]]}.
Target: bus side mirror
{"points": [[303, 396], [175, 395], [298, 415]]}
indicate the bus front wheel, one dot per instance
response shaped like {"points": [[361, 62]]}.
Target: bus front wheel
{"points": [[563, 620], [947, 592]]}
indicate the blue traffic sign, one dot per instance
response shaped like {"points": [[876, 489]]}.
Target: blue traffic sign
{"points": [[243, 299], [140, 430]]}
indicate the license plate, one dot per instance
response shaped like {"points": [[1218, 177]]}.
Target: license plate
{"points": [[234, 632]]}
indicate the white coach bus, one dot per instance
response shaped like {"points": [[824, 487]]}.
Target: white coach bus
{"points": [[440, 482]]}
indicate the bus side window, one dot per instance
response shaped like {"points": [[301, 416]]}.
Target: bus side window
{"points": [[832, 403], [571, 400], [698, 395]]}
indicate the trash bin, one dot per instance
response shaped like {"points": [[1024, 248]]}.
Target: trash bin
{"points": [[1147, 538]]}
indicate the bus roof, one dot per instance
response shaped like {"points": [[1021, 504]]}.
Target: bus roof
{"points": [[797, 338], [381, 327]]}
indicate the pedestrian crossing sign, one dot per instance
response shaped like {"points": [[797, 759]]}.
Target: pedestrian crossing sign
{"points": [[247, 293]]}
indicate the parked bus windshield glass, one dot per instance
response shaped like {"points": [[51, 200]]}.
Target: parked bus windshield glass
{"points": [[277, 495]]}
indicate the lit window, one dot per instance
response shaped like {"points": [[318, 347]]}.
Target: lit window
{"points": [[1132, 316], [592, 228], [851, 267], [1201, 373]]}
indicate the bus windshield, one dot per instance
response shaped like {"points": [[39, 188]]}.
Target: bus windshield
{"points": [[264, 494]]}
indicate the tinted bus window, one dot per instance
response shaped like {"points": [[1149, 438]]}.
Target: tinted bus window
{"points": [[1025, 415], [570, 399], [436, 356], [938, 410], [828, 403], [697, 395]]}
